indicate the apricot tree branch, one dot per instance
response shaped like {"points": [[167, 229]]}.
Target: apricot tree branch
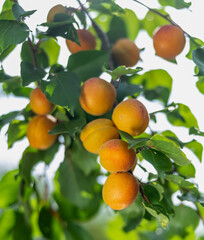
{"points": [[100, 33]]}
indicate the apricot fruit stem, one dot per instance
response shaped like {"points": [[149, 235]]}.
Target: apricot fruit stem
{"points": [[104, 38]]}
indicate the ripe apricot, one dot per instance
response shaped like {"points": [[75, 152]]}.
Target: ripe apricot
{"points": [[120, 190], [96, 133], [131, 116], [39, 103], [55, 10], [125, 52], [97, 96], [115, 156], [86, 39], [37, 132], [169, 41]]}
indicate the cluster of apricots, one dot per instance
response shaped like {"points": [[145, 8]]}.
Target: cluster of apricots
{"points": [[101, 137], [98, 97], [42, 122]]}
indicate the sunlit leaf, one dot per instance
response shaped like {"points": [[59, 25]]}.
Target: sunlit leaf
{"points": [[178, 4]]}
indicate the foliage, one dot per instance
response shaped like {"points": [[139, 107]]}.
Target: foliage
{"points": [[74, 209]]}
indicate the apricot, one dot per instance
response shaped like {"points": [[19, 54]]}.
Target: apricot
{"points": [[96, 133], [39, 103], [115, 156], [86, 39], [131, 116], [125, 52], [55, 10], [169, 41], [37, 132], [97, 96], [120, 190]]}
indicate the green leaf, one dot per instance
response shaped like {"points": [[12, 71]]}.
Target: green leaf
{"points": [[9, 189], [12, 32], [75, 185], [51, 48], [6, 12], [186, 171], [194, 44], [180, 181], [198, 55], [169, 148], [30, 74], [63, 89], [106, 7], [6, 52], [159, 212], [159, 160], [76, 231], [192, 197], [7, 221], [196, 148], [196, 131], [18, 12], [121, 70], [82, 63], [178, 4], [153, 21], [85, 160], [132, 216], [200, 84], [157, 84], [16, 131], [9, 117]]}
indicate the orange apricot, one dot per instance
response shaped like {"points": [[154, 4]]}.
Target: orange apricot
{"points": [[125, 52], [131, 116], [37, 132], [86, 39], [97, 96], [169, 41], [120, 190], [96, 133], [39, 103], [55, 10], [115, 156]]}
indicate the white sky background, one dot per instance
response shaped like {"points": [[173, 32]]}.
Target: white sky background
{"points": [[183, 91]]}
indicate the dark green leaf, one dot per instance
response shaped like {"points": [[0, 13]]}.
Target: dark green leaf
{"points": [[18, 12], [194, 44], [133, 215], [7, 118], [196, 131], [107, 7], [16, 131], [63, 89], [178, 4], [82, 63], [156, 84], [9, 36], [169, 148], [192, 197], [30, 74], [6, 52], [9, 189], [159, 160], [75, 231], [198, 56]]}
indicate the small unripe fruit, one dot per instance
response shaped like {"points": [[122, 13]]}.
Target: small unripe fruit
{"points": [[86, 39], [39, 103], [37, 132], [125, 52], [96, 133], [115, 156], [55, 10], [169, 41], [131, 116], [97, 96], [120, 190]]}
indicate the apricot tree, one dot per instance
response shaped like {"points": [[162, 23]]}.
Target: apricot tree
{"points": [[119, 177]]}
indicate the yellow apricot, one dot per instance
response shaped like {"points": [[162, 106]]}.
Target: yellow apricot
{"points": [[55, 10], [125, 52], [169, 41], [39, 103], [97, 96], [37, 132], [120, 190], [131, 116], [115, 156], [86, 39], [96, 133]]}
